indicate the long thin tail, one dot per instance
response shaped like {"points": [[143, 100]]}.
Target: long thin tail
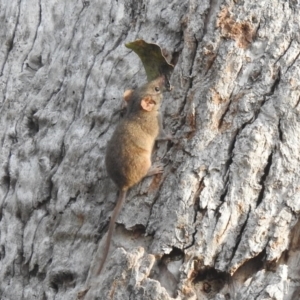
{"points": [[111, 227]]}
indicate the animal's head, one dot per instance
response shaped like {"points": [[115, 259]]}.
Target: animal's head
{"points": [[148, 95]]}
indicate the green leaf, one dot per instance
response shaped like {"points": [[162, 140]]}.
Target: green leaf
{"points": [[151, 55]]}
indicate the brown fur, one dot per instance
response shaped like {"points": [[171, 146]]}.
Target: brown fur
{"points": [[128, 153]]}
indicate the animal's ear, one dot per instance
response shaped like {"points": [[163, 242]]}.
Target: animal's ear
{"points": [[127, 95], [147, 104]]}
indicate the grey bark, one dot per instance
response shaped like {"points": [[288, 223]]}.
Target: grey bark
{"points": [[222, 222]]}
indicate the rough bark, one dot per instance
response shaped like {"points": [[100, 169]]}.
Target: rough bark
{"points": [[221, 222]]}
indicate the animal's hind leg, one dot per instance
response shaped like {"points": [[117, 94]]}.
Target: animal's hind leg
{"points": [[156, 168]]}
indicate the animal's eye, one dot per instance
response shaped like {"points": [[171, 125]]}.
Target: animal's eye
{"points": [[156, 89]]}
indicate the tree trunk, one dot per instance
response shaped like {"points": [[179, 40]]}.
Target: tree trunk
{"points": [[221, 222]]}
